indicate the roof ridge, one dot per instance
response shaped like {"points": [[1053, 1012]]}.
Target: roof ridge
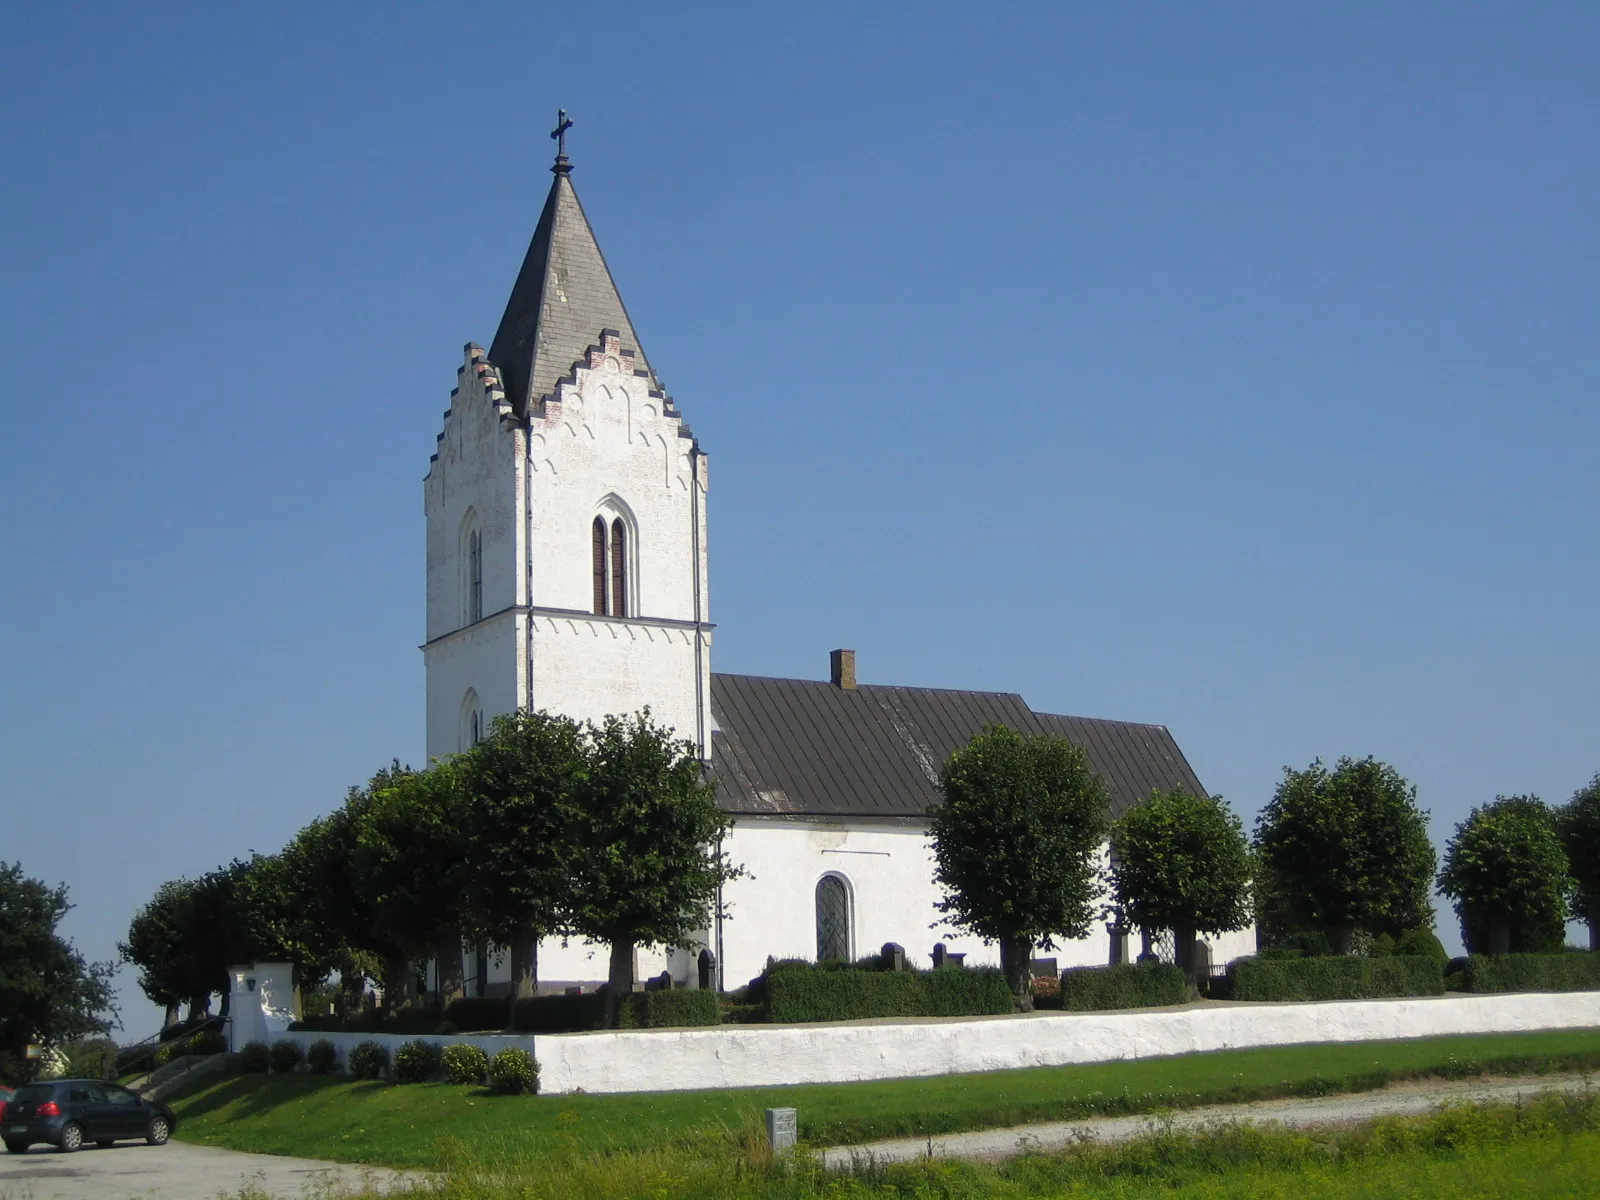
{"points": [[1098, 720], [882, 687]]}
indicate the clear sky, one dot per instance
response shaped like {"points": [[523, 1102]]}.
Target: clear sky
{"points": [[1231, 367]]}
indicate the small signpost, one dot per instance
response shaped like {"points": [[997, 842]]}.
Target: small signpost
{"points": [[783, 1129]]}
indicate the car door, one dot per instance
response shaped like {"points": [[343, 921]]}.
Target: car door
{"points": [[86, 1104], [125, 1113]]}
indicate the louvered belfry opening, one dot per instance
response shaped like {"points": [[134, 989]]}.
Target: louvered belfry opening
{"points": [[833, 918], [619, 568], [600, 566]]}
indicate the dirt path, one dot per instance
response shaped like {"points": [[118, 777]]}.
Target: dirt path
{"points": [[1399, 1100]]}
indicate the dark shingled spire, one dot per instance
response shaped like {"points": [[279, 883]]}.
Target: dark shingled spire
{"points": [[564, 296]]}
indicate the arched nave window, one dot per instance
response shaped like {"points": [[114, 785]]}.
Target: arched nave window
{"points": [[600, 566], [833, 918], [609, 555], [474, 577], [619, 568]]}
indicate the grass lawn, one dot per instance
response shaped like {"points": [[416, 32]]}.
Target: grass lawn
{"points": [[432, 1125]]}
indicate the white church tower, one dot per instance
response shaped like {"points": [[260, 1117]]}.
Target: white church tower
{"points": [[566, 513]]}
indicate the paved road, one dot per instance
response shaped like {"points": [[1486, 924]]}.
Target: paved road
{"points": [[1398, 1100], [176, 1171]]}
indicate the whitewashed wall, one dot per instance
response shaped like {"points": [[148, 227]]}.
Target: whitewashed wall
{"points": [[772, 1056]]}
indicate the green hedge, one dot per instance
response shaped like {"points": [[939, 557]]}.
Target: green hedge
{"points": [[1127, 985], [1341, 978], [639, 1010], [802, 992], [476, 1014], [1573, 971]]}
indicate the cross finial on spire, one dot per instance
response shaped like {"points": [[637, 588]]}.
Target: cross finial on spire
{"points": [[559, 133]]}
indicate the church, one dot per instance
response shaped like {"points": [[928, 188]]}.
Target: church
{"points": [[567, 570]]}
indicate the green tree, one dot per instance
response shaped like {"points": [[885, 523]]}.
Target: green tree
{"points": [[1015, 840], [409, 861], [648, 833], [1506, 872], [1182, 862], [48, 993], [1347, 849], [158, 945], [1578, 822], [525, 782]]}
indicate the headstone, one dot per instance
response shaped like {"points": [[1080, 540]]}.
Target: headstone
{"points": [[708, 970], [894, 956], [575, 990], [956, 958], [1119, 944], [783, 1129], [1202, 959], [1043, 968], [938, 954]]}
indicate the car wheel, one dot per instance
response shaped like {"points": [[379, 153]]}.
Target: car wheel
{"points": [[17, 1147], [159, 1132], [71, 1137]]}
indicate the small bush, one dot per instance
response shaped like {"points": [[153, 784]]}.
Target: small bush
{"points": [[91, 1058], [285, 1056], [462, 1062], [1126, 985], [170, 1051], [513, 1071], [416, 1062], [323, 1057], [368, 1060], [480, 1014], [1570, 971], [208, 1041], [1339, 978], [255, 1058], [1421, 943]]}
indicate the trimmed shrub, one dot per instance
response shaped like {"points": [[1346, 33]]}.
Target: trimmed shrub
{"points": [[368, 1060], [1339, 978], [208, 1041], [559, 1014], [638, 1010], [462, 1062], [1126, 985], [1572, 971], [1421, 943], [669, 1009], [513, 1071], [802, 992], [416, 1062], [285, 1055], [323, 1057], [480, 1014], [255, 1058], [170, 1051]]}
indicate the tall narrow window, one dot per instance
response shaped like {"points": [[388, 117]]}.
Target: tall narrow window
{"points": [[475, 733], [619, 568], [600, 566], [475, 577], [833, 918]]}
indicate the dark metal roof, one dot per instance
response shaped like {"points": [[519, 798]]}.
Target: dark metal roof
{"points": [[806, 747], [563, 298]]}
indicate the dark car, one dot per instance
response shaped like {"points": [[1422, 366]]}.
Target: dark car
{"points": [[66, 1113]]}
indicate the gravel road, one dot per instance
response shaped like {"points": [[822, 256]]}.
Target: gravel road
{"points": [[1397, 1100]]}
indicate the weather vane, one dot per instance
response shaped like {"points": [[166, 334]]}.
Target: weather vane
{"points": [[559, 134]]}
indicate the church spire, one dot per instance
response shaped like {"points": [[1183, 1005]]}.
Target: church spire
{"points": [[563, 297]]}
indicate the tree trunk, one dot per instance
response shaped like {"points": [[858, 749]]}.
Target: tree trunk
{"points": [[620, 980], [398, 981], [1341, 936], [352, 987], [199, 1006], [450, 975], [1183, 955], [1594, 933], [1015, 953], [174, 1015], [1499, 936], [524, 965]]}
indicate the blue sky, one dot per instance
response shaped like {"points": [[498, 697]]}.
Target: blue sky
{"points": [[1232, 369]]}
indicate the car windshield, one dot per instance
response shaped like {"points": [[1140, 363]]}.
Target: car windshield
{"points": [[32, 1093]]}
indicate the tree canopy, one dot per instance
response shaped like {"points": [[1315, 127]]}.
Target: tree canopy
{"points": [[48, 993], [1181, 862], [1506, 871], [1016, 837], [1578, 822], [1347, 849]]}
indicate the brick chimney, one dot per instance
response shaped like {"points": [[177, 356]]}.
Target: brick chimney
{"points": [[842, 668]]}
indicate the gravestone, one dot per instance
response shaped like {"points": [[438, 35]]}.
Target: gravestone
{"points": [[1043, 968], [1119, 944], [938, 954], [956, 958], [894, 956], [783, 1129], [708, 970]]}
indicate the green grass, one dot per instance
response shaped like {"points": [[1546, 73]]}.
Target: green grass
{"points": [[1543, 1150], [433, 1125]]}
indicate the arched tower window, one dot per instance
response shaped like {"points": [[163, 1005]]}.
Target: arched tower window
{"points": [[833, 918], [619, 568], [600, 566], [472, 725], [474, 576]]}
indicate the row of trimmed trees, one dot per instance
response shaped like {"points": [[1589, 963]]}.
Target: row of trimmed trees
{"points": [[546, 828], [1340, 852]]}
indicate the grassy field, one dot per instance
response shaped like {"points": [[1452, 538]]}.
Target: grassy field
{"points": [[1545, 1150], [436, 1125]]}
